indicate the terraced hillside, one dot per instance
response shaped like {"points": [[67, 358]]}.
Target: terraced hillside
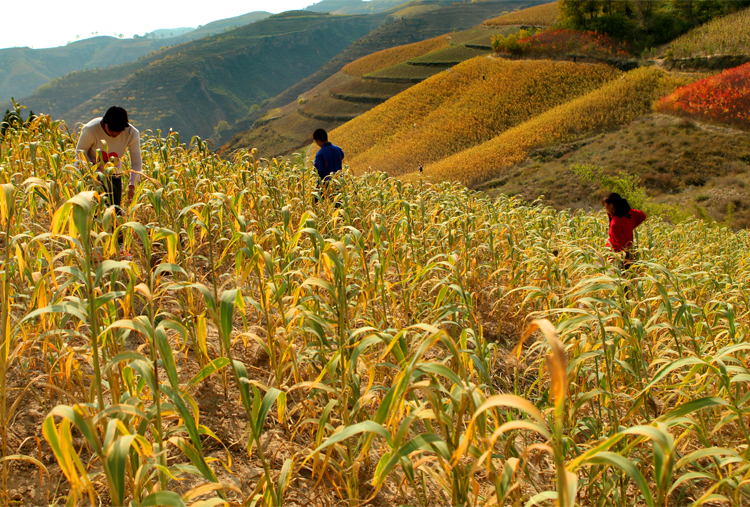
{"points": [[482, 124], [473, 137], [471, 104], [370, 80]]}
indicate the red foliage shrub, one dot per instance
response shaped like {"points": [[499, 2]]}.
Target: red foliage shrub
{"points": [[724, 98], [571, 41]]}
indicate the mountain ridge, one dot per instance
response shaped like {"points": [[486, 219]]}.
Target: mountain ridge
{"points": [[24, 69], [194, 86]]}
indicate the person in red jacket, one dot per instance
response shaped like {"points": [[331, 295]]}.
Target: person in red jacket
{"points": [[622, 221]]}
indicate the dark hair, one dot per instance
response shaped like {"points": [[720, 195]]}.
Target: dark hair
{"points": [[622, 207], [116, 118], [320, 135]]}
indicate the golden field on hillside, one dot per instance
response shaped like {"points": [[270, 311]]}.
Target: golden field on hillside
{"points": [[729, 35], [615, 103], [460, 108], [388, 57], [540, 15]]}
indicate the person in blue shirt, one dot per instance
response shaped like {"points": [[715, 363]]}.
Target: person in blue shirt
{"points": [[328, 160]]}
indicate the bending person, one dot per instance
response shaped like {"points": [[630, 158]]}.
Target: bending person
{"points": [[113, 135], [106, 140], [622, 221]]}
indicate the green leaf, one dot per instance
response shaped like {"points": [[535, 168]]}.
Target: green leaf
{"points": [[685, 361], [64, 308], [142, 232], [144, 368], [427, 442], [442, 370], [163, 499], [208, 370], [196, 458], [162, 343], [130, 355], [82, 423], [228, 301], [615, 460], [268, 400], [350, 431], [186, 415], [117, 458], [702, 453], [692, 406]]}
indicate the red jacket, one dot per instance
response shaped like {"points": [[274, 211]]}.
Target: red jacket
{"points": [[621, 230]]}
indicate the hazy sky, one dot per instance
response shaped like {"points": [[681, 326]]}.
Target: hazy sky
{"points": [[49, 23]]}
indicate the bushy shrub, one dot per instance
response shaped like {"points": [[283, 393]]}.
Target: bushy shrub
{"points": [[724, 98]]}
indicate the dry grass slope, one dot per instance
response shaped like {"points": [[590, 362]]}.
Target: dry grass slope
{"points": [[388, 57], [729, 35], [613, 104], [460, 108], [679, 163], [540, 15]]}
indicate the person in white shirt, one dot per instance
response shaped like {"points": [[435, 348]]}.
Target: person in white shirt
{"points": [[105, 140], [112, 134]]}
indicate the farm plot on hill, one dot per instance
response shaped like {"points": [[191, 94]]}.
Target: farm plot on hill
{"points": [[615, 103], [460, 108], [448, 57], [722, 98], [540, 15], [728, 35]]}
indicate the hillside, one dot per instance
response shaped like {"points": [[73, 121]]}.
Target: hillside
{"points": [[281, 129], [193, 87], [722, 98], [223, 25], [23, 70], [701, 169], [455, 110], [727, 36], [482, 124], [539, 15], [613, 104]]}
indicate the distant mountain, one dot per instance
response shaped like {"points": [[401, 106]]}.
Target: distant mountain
{"points": [[197, 85], [23, 70], [222, 25], [168, 33]]}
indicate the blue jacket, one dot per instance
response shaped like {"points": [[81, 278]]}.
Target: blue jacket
{"points": [[328, 160]]}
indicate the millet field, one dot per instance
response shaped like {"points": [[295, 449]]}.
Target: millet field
{"points": [[408, 344]]}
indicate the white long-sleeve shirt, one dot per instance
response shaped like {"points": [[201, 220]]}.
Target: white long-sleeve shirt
{"points": [[93, 138]]}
